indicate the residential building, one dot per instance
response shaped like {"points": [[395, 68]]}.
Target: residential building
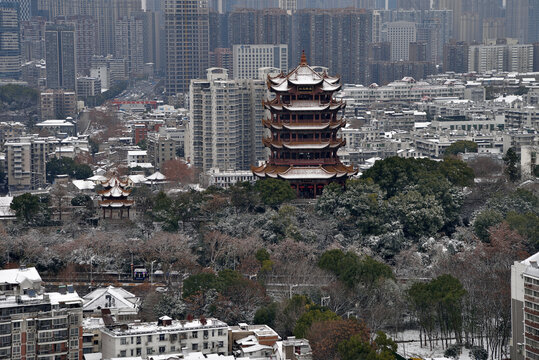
{"points": [[10, 130], [529, 161], [33, 39], [522, 20], [61, 129], [500, 57], [161, 148], [247, 59], [10, 49], [222, 58], [166, 336], [225, 179], [320, 33], [137, 156], [88, 86], [456, 57], [225, 127], [60, 56], [524, 309], [292, 349], [131, 46], [85, 39], [400, 34], [288, 5], [187, 43], [26, 159], [57, 104], [37, 324], [123, 305]]}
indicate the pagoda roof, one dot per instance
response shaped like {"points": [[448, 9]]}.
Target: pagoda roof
{"points": [[307, 106], [299, 145], [114, 181], [303, 75], [321, 172], [115, 192], [115, 203]]}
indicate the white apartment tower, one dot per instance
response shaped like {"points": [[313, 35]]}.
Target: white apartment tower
{"points": [[288, 5], [225, 126], [400, 34], [247, 59]]}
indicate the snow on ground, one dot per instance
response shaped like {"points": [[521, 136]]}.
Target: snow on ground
{"points": [[411, 348]]}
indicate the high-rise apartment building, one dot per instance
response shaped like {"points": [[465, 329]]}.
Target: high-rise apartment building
{"points": [[522, 17], [85, 39], [60, 56], [35, 324], [288, 5], [400, 34], [247, 59], [187, 42], [129, 35], [320, 34], [223, 58], [33, 39], [506, 57], [456, 57], [525, 309], [25, 8], [26, 159], [57, 104], [10, 51], [225, 127]]}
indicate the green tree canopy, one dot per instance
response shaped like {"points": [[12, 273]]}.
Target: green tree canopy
{"points": [[351, 269], [67, 166], [274, 192], [382, 348], [313, 314], [461, 146], [511, 160], [395, 174], [26, 207]]}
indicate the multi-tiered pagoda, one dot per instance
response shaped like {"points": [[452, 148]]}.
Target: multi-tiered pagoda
{"points": [[114, 198], [304, 127]]}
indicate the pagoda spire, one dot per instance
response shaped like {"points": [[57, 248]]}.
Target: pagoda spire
{"points": [[303, 60]]}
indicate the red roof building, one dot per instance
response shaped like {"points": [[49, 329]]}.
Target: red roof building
{"points": [[304, 125]]}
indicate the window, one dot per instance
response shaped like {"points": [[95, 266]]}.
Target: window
{"points": [[162, 349], [161, 337], [205, 345], [139, 351], [194, 334], [74, 332], [149, 338], [220, 344], [123, 341], [149, 351], [194, 347], [139, 340], [123, 353]]}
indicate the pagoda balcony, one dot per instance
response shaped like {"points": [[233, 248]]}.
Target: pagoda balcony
{"points": [[299, 126], [304, 145], [308, 162]]}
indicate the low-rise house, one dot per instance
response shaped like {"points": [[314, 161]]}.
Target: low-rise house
{"points": [[123, 305]]}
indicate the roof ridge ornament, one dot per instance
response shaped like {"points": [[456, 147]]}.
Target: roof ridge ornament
{"points": [[303, 60]]}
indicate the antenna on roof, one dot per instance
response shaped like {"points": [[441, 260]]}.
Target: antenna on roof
{"points": [[303, 60]]}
